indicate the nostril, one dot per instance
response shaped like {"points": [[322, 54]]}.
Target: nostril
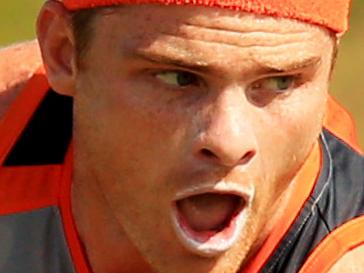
{"points": [[208, 153], [247, 157]]}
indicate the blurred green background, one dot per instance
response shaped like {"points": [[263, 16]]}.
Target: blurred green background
{"points": [[17, 23]]}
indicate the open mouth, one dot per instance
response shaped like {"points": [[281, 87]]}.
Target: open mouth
{"points": [[209, 223]]}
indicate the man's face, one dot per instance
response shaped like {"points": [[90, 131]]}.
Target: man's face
{"points": [[193, 121]]}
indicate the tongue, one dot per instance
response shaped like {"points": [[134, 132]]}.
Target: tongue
{"points": [[209, 211]]}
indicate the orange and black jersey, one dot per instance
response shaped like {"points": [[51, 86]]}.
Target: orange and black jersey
{"points": [[37, 232], [334, 207]]}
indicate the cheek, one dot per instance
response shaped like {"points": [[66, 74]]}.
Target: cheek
{"points": [[285, 138], [289, 133], [131, 136]]}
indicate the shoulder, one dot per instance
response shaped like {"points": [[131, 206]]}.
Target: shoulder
{"points": [[352, 262], [17, 65], [340, 123]]}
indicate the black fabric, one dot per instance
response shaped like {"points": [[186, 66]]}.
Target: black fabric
{"points": [[46, 138], [337, 198]]}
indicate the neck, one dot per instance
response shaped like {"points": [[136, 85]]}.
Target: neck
{"points": [[107, 247]]}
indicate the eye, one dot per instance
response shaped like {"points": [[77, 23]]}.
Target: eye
{"points": [[178, 78], [278, 84]]}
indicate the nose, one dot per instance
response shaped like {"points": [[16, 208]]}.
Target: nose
{"points": [[227, 137]]}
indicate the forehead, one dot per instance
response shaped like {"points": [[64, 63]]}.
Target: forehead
{"points": [[198, 32], [173, 14]]}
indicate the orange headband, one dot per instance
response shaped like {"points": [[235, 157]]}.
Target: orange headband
{"points": [[331, 14]]}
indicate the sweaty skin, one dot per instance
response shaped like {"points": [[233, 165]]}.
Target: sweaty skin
{"points": [[142, 135], [352, 262]]}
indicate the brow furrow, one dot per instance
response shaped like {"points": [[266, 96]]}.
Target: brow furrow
{"points": [[250, 45], [236, 31]]}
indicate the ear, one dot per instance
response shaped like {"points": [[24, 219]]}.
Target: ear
{"points": [[57, 44]]}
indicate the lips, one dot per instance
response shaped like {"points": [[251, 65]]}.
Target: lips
{"points": [[209, 221]]}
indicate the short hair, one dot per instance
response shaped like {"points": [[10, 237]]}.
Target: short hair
{"points": [[83, 30]]}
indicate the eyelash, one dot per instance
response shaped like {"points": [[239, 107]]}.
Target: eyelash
{"points": [[297, 80], [197, 79]]}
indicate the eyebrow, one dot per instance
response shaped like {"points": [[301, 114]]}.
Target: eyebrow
{"points": [[289, 67], [201, 66], [173, 61]]}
